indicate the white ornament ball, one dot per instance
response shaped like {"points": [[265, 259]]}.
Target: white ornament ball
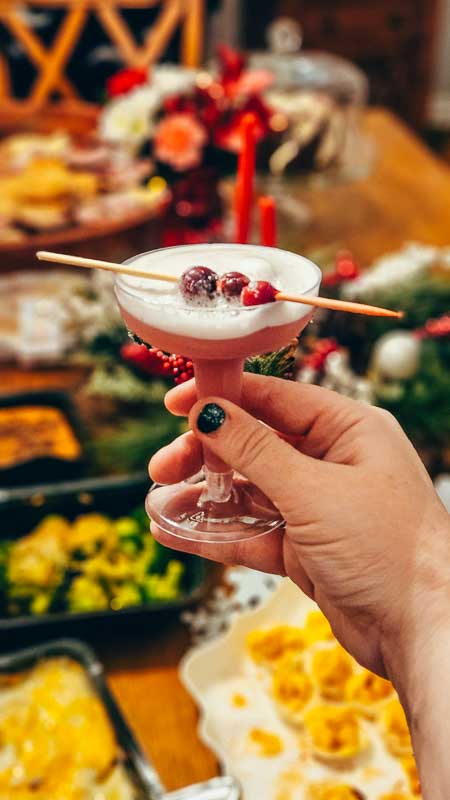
{"points": [[396, 355]]}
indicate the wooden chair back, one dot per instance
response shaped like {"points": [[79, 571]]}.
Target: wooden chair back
{"points": [[52, 89]]}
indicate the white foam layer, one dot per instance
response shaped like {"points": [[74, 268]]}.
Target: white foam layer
{"points": [[162, 306]]}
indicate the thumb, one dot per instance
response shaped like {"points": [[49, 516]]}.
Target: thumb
{"points": [[255, 450]]}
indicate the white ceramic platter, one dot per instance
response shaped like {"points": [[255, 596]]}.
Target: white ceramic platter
{"points": [[215, 672]]}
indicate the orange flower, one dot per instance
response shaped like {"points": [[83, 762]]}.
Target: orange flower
{"points": [[178, 141]]}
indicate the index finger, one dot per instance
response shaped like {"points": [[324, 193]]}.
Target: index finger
{"points": [[295, 409]]}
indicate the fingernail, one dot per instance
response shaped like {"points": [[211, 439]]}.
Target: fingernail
{"points": [[210, 418]]}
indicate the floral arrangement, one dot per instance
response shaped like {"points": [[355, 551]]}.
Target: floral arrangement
{"points": [[189, 123], [182, 112]]}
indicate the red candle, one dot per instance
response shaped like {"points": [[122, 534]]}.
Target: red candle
{"points": [[245, 179], [268, 221]]}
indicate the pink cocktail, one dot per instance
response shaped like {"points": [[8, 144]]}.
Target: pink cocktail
{"points": [[217, 336]]}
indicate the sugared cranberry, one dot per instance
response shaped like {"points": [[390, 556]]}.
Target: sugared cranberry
{"points": [[232, 283], [198, 282], [257, 293]]}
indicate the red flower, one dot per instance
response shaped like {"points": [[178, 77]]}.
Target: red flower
{"points": [[228, 135], [125, 80], [319, 353], [253, 82], [231, 61], [201, 104], [235, 80], [179, 139]]}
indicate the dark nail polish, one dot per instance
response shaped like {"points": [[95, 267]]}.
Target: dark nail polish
{"points": [[210, 418]]}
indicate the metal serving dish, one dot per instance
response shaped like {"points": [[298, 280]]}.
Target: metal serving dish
{"points": [[44, 468], [20, 512], [140, 771]]}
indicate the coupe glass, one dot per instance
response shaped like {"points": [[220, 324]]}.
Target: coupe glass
{"points": [[217, 505]]}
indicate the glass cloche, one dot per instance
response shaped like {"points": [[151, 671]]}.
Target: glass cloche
{"points": [[320, 96]]}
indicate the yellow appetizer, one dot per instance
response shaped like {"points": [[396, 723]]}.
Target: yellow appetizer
{"points": [[395, 729], [331, 669], [395, 796], [410, 767], [239, 700], [368, 692], [292, 689], [56, 738], [333, 791], [317, 628], [335, 733], [266, 744], [272, 644]]}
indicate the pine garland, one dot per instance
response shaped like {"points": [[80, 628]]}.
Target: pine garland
{"points": [[279, 364]]}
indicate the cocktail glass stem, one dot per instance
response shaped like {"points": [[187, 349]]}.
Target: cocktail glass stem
{"points": [[218, 378]]}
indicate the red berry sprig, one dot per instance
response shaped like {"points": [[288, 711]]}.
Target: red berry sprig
{"points": [[319, 353], [158, 364], [345, 269], [434, 328], [181, 369]]}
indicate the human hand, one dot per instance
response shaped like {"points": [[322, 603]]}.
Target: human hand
{"points": [[365, 532]]}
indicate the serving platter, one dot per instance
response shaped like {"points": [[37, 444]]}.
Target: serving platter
{"points": [[22, 509], [221, 670], [83, 232], [45, 467], [140, 771]]}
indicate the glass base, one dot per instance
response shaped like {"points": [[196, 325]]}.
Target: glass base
{"points": [[185, 510]]}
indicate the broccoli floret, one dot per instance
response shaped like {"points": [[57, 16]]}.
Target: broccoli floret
{"points": [[86, 595], [40, 603], [128, 594], [165, 586], [127, 526]]}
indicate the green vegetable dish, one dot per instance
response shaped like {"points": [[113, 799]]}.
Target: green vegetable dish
{"points": [[91, 564]]}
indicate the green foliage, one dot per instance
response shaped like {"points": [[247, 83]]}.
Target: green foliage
{"points": [[422, 404], [116, 381], [129, 446], [421, 299], [279, 364]]}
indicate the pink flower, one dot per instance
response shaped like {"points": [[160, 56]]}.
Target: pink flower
{"points": [[178, 141], [254, 81]]}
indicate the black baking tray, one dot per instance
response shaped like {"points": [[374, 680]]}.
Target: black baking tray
{"points": [[140, 771], [45, 468], [22, 509]]}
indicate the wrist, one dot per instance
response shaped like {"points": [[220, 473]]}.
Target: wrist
{"points": [[421, 677], [419, 651], [416, 655], [420, 614]]}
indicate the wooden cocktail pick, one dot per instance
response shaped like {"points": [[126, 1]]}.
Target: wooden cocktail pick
{"points": [[122, 269], [95, 263]]}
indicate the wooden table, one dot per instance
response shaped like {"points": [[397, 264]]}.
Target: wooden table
{"points": [[407, 197]]}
